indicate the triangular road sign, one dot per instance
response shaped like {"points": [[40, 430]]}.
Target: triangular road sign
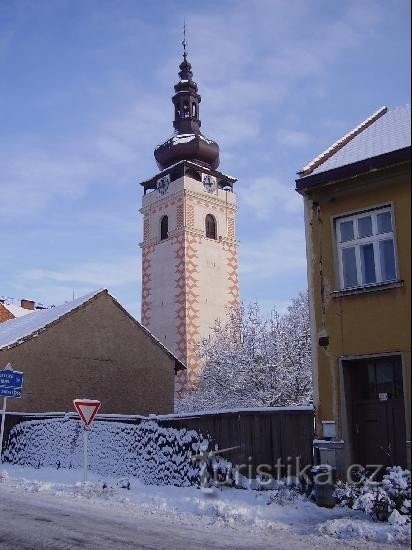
{"points": [[87, 409]]}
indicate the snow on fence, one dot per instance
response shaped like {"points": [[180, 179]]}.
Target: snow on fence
{"points": [[155, 455], [131, 445]]}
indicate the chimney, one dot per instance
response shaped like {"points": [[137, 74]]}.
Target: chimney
{"points": [[27, 304]]}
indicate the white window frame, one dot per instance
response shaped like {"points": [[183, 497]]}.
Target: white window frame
{"points": [[357, 242]]}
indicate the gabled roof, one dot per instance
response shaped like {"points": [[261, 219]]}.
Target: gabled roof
{"points": [[385, 134], [16, 331]]}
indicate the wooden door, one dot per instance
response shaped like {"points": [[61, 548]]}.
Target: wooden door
{"points": [[379, 428], [378, 412]]}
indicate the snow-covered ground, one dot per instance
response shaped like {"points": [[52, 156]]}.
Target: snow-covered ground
{"points": [[235, 508]]}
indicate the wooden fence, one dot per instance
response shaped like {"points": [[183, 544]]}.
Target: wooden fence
{"points": [[264, 436]]}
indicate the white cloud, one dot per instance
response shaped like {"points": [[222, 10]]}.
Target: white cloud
{"points": [[32, 179], [293, 138], [281, 253], [118, 272], [267, 197], [124, 221]]}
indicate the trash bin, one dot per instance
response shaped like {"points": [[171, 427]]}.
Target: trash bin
{"points": [[324, 479]]}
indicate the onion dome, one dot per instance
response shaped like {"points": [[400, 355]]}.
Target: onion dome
{"points": [[187, 143]]}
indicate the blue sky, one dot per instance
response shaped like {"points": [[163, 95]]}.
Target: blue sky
{"points": [[85, 97]]}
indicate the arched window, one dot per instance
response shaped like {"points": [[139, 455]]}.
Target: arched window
{"points": [[164, 228], [210, 223], [194, 110]]}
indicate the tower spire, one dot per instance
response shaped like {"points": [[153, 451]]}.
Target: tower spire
{"points": [[185, 67], [188, 143], [184, 41]]}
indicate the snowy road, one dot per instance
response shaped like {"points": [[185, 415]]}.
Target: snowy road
{"points": [[36, 521]]}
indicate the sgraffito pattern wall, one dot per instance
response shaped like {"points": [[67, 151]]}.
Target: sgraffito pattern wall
{"points": [[188, 280]]}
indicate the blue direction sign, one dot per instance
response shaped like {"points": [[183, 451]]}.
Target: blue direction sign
{"points": [[11, 382], [10, 392], [11, 379]]}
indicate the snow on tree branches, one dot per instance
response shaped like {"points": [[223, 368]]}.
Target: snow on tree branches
{"points": [[255, 360]]}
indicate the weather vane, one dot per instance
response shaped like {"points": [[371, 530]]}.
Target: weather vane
{"points": [[184, 42]]}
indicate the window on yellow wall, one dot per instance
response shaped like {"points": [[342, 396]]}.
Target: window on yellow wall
{"points": [[164, 228], [210, 226], [366, 248]]}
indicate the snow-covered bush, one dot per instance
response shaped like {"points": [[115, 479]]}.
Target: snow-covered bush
{"points": [[154, 454], [255, 360], [285, 493], [397, 484], [389, 499], [347, 493]]}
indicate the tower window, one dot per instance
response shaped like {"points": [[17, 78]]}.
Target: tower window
{"points": [[194, 110], [164, 228], [210, 223], [186, 112]]}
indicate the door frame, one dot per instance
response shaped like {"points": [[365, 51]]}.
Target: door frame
{"points": [[345, 405]]}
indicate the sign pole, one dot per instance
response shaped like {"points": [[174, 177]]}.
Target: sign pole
{"points": [[3, 418], [87, 409], [85, 453]]}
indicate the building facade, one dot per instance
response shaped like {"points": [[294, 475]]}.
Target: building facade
{"points": [[189, 248], [90, 347], [357, 215]]}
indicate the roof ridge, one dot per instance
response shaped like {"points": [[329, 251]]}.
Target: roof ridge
{"points": [[341, 142]]}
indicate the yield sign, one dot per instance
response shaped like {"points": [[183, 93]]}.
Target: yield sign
{"points": [[87, 409]]}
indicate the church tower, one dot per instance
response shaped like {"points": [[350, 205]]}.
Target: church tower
{"points": [[189, 248]]}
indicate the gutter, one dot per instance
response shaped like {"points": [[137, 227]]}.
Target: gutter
{"points": [[354, 169]]}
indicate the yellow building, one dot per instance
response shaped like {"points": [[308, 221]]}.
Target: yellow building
{"points": [[357, 218]]}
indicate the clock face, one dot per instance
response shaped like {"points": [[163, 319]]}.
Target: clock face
{"points": [[163, 184], [209, 183]]}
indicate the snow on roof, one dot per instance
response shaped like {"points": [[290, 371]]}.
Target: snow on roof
{"points": [[15, 331], [383, 132], [17, 311], [185, 138], [182, 138]]}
